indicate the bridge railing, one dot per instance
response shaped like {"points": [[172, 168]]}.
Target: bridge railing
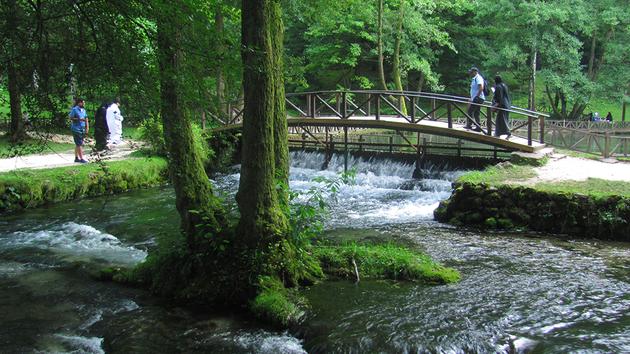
{"points": [[412, 107], [607, 144]]}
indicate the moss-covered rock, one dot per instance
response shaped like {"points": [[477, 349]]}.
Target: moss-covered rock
{"points": [[513, 206]]}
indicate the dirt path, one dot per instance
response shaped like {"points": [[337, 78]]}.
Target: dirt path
{"points": [[64, 159]]}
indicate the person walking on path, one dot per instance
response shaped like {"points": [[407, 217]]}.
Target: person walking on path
{"points": [[80, 127], [501, 99], [476, 96], [101, 129], [114, 122]]}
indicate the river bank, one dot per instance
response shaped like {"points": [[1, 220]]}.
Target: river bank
{"points": [[31, 188], [566, 195]]}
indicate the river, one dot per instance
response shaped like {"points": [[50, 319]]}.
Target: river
{"points": [[520, 292]]}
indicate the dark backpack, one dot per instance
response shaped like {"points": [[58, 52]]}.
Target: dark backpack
{"points": [[486, 88]]}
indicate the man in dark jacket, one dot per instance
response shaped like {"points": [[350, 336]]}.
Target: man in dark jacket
{"points": [[101, 130], [501, 99]]}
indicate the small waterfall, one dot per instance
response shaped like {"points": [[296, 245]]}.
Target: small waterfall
{"points": [[384, 190]]}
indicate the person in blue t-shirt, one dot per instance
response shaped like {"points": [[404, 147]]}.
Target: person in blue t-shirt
{"points": [[80, 127]]}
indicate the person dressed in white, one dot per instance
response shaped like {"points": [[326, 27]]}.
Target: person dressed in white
{"points": [[114, 122]]}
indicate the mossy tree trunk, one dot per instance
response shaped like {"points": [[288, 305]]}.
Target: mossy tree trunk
{"points": [[265, 152], [195, 201]]}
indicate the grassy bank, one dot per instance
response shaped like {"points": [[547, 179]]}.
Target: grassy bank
{"points": [[24, 189], [496, 198]]}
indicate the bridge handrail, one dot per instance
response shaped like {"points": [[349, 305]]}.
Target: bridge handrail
{"points": [[426, 95]]}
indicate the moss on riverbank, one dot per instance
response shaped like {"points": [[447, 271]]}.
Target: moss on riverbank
{"points": [[26, 189], [382, 262], [493, 199]]}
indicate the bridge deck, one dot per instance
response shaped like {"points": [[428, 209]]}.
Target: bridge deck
{"points": [[400, 124]]}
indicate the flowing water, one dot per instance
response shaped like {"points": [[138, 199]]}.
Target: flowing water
{"points": [[519, 292]]}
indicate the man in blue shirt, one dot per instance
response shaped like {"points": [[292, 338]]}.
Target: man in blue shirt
{"points": [[80, 127], [476, 96]]}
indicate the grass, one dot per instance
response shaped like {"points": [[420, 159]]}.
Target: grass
{"points": [[593, 186], [508, 174], [386, 261], [23, 189], [499, 174]]}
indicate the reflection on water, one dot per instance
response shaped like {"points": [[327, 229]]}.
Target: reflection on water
{"points": [[518, 293]]}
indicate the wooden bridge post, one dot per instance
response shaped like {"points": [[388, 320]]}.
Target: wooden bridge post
{"points": [[308, 105], [378, 106], [433, 108], [459, 147], [391, 144], [541, 129], [529, 130], [489, 121], [313, 105], [413, 110], [607, 145], [369, 105], [449, 114], [344, 105], [420, 154], [345, 155]]}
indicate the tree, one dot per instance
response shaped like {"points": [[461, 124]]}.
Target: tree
{"points": [[12, 51], [265, 155], [196, 204]]}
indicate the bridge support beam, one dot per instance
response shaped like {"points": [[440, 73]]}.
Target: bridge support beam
{"points": [[345, 149], [420, 153]]}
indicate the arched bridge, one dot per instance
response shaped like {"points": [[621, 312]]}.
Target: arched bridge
{"points": [[421, 112]]}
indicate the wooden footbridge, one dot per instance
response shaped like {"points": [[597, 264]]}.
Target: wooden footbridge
{"points": [[419, 112]]}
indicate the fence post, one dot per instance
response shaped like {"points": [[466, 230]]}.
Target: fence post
{"points": [[489, 121], [369, 105], [308, 105], [449, 113], [378, 106], [433, 107], [344, 105], [529, 130], [313, 105], [413, 110], [542, 129]]}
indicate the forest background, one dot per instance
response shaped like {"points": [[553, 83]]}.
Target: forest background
{"points": [[565, 57]]}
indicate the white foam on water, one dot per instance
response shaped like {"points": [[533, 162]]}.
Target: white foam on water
{"points": [[264, 342], [79, 344], [76, 240]]}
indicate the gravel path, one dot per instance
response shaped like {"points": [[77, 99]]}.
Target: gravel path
{"points": [[63, 159], [562, 168]]}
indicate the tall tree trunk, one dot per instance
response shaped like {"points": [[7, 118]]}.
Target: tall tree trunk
{"points": [[193, 193], [219, 29], [421, 80], [591, 59], [532, 81], [262, 220], [379, 46], [16, 129], [396, 62]]}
